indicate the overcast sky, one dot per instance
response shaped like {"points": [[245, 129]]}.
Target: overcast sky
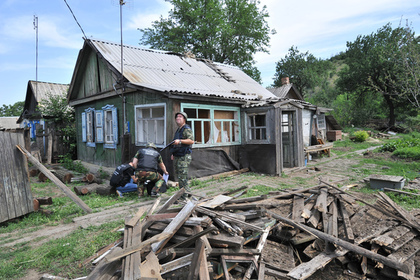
{"points": [[321, 27]]}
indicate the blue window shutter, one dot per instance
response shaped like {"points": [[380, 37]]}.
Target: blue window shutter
{"points": [[99, 126], [115, 125], [84, 127]]}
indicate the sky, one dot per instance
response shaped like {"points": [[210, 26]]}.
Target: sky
{"points": [[320, 27]]}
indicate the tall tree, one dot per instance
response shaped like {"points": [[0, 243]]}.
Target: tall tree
{"points": [[374, 65], [304, 70], [225, 31], [12, 110]]}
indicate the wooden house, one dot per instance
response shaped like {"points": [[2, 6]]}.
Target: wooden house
{"points": [[317, 126], [236, 122], [32, 118]]}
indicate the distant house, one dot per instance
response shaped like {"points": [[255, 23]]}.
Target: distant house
{"points": [[32, 118], [236, 122]]}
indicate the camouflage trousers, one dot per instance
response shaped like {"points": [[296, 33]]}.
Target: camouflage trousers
{"points": [[143, 176], [181, 165]]}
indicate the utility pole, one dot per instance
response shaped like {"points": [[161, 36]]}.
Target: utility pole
{"points": [[36, 55]]}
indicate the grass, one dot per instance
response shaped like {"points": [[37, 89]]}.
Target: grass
{"points": [[58, 257]]}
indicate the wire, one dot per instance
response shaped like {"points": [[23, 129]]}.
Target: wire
{"points": [[75, 19]]}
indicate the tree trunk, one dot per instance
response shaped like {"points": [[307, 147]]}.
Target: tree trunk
{"points": [[64, 176], [391, 108], [93, 188]]}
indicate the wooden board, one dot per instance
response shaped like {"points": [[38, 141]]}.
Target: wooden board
{"points": [[216, 201]]}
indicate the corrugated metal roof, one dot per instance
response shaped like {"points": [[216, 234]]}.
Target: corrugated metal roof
{"points": [[179, 74], [42, 89], [282, 91]]}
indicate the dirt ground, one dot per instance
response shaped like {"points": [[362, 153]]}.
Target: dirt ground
{"points": [[337, 170]]}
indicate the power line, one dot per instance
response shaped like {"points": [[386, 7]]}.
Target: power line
{"points": [[75, 19]]}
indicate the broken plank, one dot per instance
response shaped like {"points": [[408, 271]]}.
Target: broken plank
{"points": [[196, 260], [224, 217], [346, 222], [141, 246], [407, 251], [55, 180], [216, 201], [226, 239], [176, 264], [404, 214], [297, 210], [397, 244], [247, 199], [176, 223], [150, 268], [389, 237], [192, 239]]}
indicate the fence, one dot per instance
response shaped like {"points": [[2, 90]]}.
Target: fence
{"points": [[15, 190]]}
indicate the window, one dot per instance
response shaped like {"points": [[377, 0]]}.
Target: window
{"points": [[87, 127], [150, 124], [257, 129], [321, 121], [213, 125], [97, 124], [110, 126]]}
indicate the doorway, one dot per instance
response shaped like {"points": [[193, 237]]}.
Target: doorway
{"points": [[288, 119]]}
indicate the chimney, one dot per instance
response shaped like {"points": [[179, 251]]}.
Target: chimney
{"points": [[285, 81]]}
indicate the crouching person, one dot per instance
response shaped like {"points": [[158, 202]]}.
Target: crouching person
{"points": [[124, 179], [147, 161]]}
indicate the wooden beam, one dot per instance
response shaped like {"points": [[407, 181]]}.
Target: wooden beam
{"points": [[176, 223], [141, 246], [55, 180]]}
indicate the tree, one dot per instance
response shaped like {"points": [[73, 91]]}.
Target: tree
{"points": [[12, 110], [55, 110], [409, 73], [304, 70], [375, 63], [225, 31]]}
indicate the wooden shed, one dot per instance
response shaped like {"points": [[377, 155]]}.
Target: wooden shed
{"points": [[15, 192]]}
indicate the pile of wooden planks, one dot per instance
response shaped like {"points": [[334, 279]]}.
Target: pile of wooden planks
{"points": [[286, 235]]}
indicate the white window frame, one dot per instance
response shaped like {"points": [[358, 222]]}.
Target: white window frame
{"points": [[110, 127], [234, 125], [90, 114], [321, 122], [252, 128], [143, 125]]}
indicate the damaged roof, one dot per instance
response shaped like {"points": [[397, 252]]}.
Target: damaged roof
{"points": [[180, 74]]}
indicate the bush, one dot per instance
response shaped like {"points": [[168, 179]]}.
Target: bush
{"points": [[361, 136]]}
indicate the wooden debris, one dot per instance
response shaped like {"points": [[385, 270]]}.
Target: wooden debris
{"points": [[202, 240]]}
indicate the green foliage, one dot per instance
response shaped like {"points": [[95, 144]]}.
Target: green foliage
{"points": [[303, 69], [68, 163], [12, 110], [406, 142], [373, 69], [361, 136], [227, 31], [408, 152], [61, 117]]}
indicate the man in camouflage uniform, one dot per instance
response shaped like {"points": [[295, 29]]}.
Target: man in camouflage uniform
{"points": [[147, 161], [181, 150]]}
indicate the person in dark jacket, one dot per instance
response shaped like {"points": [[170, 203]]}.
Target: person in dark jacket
{"points": [[124, 179], [147, 161], [181, 150]]}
